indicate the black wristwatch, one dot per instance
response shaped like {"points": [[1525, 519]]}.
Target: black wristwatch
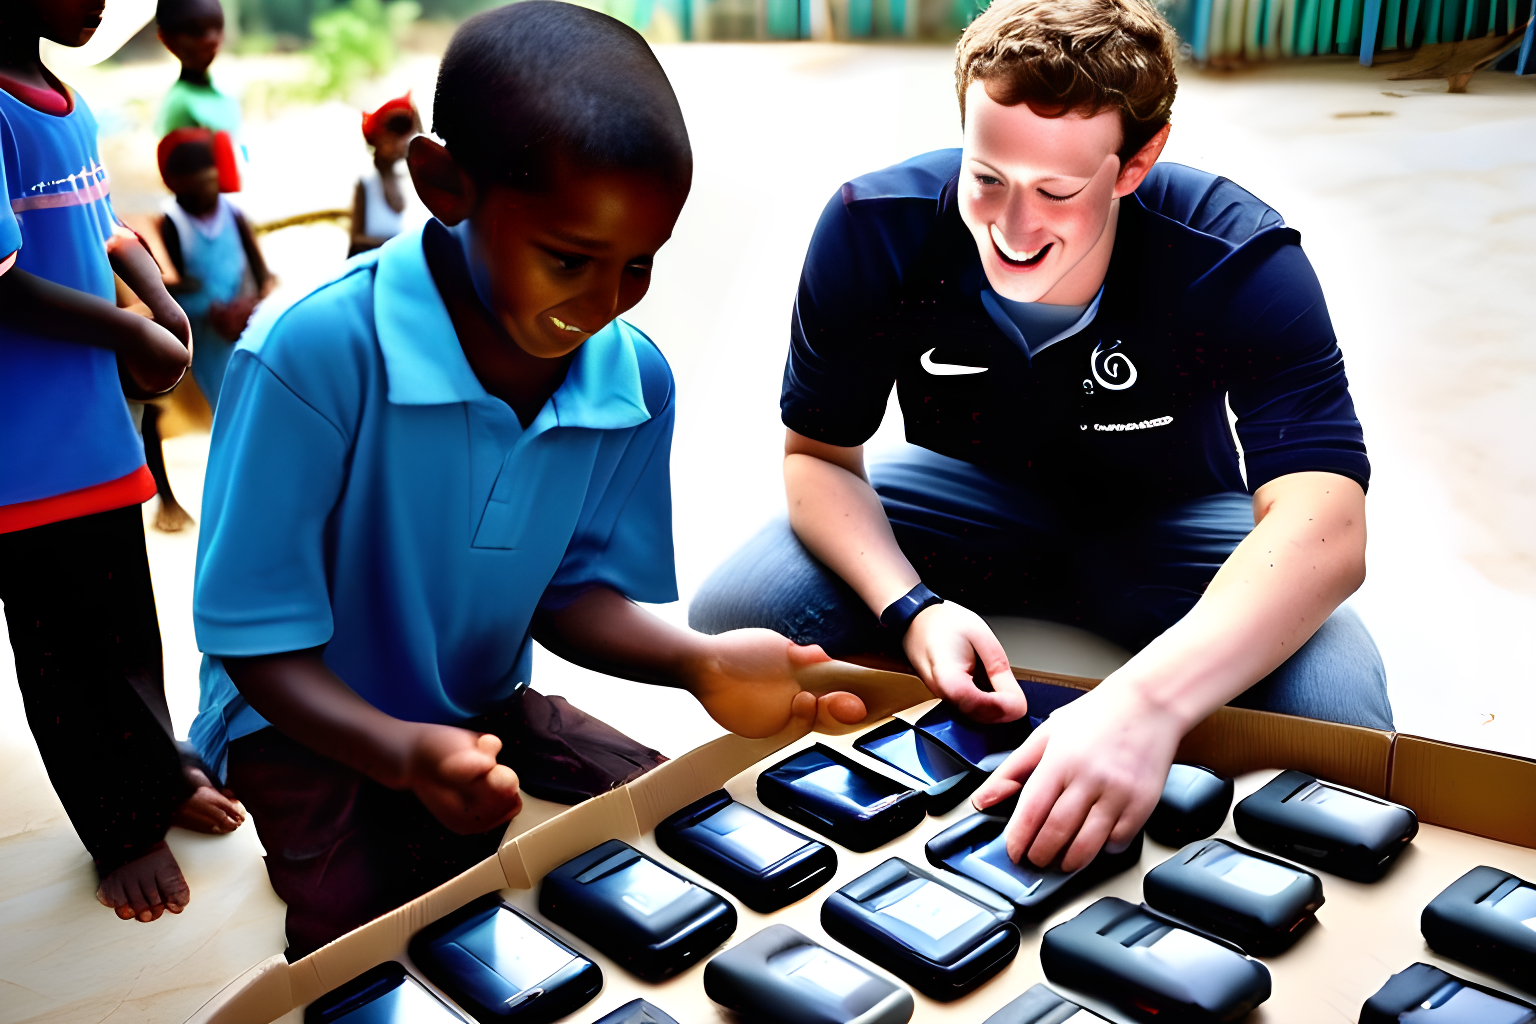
{"points": [[899, 614]]}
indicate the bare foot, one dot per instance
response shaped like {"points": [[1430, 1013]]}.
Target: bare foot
{"points": [[172, 518], [146, 888], [209, 810]]}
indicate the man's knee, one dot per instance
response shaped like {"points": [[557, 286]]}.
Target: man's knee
{"points": [[1336, 676]]}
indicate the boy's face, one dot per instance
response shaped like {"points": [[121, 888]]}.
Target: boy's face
{"points": [[67, 22], [195, 41], [196, 191], [564, 263], [1037, 194]]}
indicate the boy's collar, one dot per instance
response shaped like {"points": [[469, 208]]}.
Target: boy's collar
{"points": [[425, 365]]}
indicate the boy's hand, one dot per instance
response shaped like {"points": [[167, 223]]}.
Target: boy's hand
{"points": [[1091, 776], [746, 681], [454, 772], [944, 644], [154, 359]]}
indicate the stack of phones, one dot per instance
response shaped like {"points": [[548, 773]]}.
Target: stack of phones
{"points": [[849, 803], [948, 752], [1427, 995], [943, 936], [1150, 967], [1487, 919], [1350, 834], [501, 966], [1262, 904], [780, 975], [649, 919], [762, 863], [974, 848]]}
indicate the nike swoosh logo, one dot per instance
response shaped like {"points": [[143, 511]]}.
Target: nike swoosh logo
{"points": [[946, 369]]}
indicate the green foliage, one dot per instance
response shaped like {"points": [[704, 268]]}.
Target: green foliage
{"points": [[356, 40]]}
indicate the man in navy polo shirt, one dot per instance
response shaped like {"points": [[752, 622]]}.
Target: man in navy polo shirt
{"points": [[1068, 324]]}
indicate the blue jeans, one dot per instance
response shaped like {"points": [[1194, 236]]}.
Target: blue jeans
{"points": [[1126, 574]]}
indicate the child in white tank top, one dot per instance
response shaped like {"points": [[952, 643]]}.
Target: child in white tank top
{"points": [[384, 202]]}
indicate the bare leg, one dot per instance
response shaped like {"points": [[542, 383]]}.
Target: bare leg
{"points": [[171, 518]]}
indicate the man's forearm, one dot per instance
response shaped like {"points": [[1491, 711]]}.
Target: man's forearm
{"points": [[298, 693], [838, 517], [1302, 560]]}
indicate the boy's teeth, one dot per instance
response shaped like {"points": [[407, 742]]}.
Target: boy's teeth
{"points": [[1002, 244]]}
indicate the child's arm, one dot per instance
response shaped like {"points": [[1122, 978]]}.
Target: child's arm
{"points": [[265, 282], [745, 678], [452, 771], [152, 357], [132, 262]]}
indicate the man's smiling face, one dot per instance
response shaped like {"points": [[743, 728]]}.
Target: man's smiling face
{"points": [[1039, 195]]}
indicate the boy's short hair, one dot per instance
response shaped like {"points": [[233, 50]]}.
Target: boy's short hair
{"points": [[176, 15], [1074, 57], [524, 85]]}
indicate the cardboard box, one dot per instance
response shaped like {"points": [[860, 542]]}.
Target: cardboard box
{"points": [[1477, 807]]}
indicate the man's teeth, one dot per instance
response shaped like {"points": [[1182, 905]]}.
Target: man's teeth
{"points": [[1002, 245]]}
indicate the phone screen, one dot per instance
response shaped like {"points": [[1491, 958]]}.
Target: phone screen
{"points": [[407, 1003]]}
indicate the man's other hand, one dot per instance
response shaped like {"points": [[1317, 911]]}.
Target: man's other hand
{"points": [[944, 644], [1091, 776], [454, 772]]}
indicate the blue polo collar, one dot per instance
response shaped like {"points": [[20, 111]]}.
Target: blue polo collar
{"points": [[425, 364]]}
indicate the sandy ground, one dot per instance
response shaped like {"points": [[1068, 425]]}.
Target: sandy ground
{"points": [[1415, 206]]}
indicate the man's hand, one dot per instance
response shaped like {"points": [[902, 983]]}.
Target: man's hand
{"points": [[454, 772], [746, 681], [1091, 776], [945, 644]]}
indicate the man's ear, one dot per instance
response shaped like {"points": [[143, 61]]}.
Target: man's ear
{"points": [[441, 183], [1136, 169]]}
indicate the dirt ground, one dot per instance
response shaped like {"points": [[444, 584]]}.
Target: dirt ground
{"points": [[1415, 206]]}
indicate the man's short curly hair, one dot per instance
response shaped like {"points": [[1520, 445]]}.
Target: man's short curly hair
{"points": [[1074, 57]]}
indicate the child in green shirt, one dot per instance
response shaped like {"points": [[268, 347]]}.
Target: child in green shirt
{"points": [[193, 30]]}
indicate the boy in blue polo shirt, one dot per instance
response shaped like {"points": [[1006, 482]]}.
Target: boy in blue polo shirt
{"points": [[1066, 323], [74, 574], [454, 448]]}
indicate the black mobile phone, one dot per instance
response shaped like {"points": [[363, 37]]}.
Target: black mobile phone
{"points": [[983, 747], [849, 803], [1150, 967], [942, 936], [1039, 1005], [636, 1011], [1193, 806], [946, 778], [1422, 994], [649, 919], [764, 864], [1486, 919], [500, 965], [1344, 832], [1259, 902], [780, 975], [974, 848], [386, 994]]}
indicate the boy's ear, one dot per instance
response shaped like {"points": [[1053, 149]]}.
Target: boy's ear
{"points": [[1139, 166], [441, 183]]}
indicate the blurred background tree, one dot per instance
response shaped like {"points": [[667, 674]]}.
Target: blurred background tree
{"points": [[356, 40]]}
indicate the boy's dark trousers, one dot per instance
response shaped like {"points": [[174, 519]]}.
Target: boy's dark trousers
{"points": [[343, 849], [81, 611]]}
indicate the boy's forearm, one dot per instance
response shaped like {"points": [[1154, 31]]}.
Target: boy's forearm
{"points": [[1302, 560], [837, 515], [139, 271], [45, 309], [605, 631], [298, 693]]}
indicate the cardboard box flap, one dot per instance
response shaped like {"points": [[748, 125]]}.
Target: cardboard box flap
{"points": [[1235, 741], [259, 995], [1470, 790]]}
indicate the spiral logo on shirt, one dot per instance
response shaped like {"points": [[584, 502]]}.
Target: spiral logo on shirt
{"points": [[1111, 370]]}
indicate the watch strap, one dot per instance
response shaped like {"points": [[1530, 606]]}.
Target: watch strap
{"points": [[898, 615]]}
